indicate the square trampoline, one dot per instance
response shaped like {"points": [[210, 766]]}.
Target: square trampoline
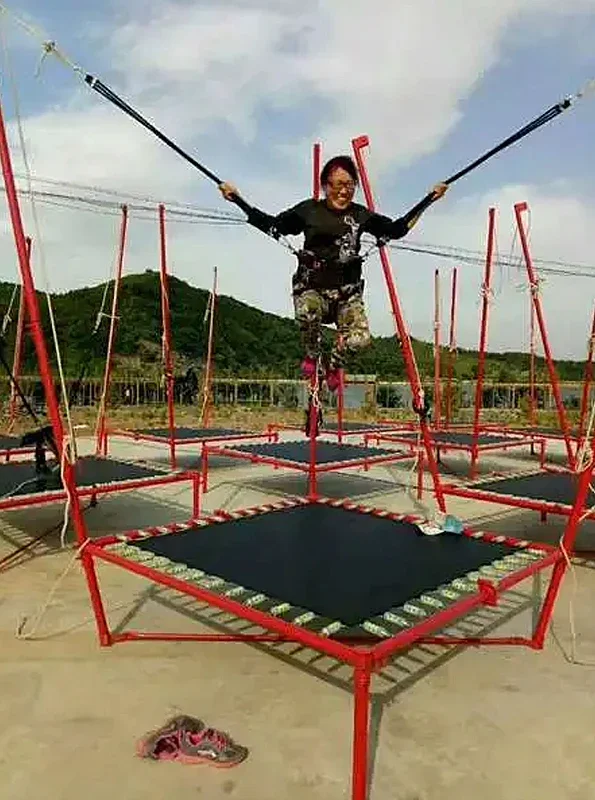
{"points": [[355, 583], [464, 441], [187, 436], [21, 485], [546, 491], [312, 458]]}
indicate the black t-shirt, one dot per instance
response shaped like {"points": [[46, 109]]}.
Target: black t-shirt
{"points": [[332, 239]]}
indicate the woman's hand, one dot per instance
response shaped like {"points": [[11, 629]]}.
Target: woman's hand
{"points": [[228, 190], [439, 190]]}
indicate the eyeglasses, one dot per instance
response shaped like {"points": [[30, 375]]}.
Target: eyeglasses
{"points": [[340, 185]]}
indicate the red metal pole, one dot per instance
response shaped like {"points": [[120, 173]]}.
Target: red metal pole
{"points": [[166, 323], [567, 546], [206, 408], [586, 384], [532, 371], [437, 387], [47, 379], [483, 335], [102, 435], [451, 348], [410, 364], [361, 732], [17, 361], [519, 209], [316, 170]]}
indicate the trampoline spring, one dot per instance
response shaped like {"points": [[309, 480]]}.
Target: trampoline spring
{"points": [[375, 629], [282, 608], [331, 629], [305, 618], [395, 619], [256, 600], [235, 591], [433, 602], [415, 611]]}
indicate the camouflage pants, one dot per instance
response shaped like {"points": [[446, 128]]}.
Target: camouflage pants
{"points": [[317, 307]]}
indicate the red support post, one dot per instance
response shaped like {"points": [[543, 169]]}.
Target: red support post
{"points": [[43, 360], [361, 732], [519, 209], [402, 332], [567, 546], [101, 428], [586, 384], [167, 347], [483, 336], [451, 350], [316, 170], [17, 361], [206, 406], [532, 370], [437, 370]]}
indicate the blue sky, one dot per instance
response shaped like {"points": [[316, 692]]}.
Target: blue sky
{"points": [[249, 84]]}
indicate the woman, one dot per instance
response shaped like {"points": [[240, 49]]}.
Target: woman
{"points": [[328, 285]]}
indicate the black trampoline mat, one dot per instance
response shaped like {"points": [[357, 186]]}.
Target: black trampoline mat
{"points": [[89, 471], [12, 443], [549, 432], [326, 452], [337, 563], [356, 426], [458, 437], [553, 487], [192, 433]]}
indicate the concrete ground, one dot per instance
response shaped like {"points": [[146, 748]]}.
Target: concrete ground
{"points": [[495, 723]]}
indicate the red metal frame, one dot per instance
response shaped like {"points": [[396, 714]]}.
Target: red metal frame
{"points": [[474, 449], [312, 468], [101, 440], [451, 350], [544, 507], [366, 656], [519, 210], [19, 341], [206, 408], [269, 436], [166, 332], [437, 344], [532, 368], [359, 144], [587, 383], [483, 336], [115, 487]]}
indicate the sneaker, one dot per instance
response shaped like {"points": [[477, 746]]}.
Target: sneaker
{"points": [[333, 379], [309, 367], [210, 746], [163, 744]]}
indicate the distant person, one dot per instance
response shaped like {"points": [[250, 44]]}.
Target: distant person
{"points": [[328, 285]]}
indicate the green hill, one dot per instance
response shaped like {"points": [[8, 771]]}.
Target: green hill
{"points": [[248, 342]]}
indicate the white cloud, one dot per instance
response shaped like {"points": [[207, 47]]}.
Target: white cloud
{"points": [[206, 69]]}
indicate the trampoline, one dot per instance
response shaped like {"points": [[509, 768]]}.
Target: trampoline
{"points": [[303, 455], [548, 492], [341, 429], [189, 435], [355, 583], [21, 485], [11, 447], [464, 441]]}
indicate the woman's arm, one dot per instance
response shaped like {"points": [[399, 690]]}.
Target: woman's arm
{"points": [[385, 228], [289, 222]]}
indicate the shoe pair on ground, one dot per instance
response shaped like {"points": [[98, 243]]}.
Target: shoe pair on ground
{"points": [[189, 741], [332, 375]]}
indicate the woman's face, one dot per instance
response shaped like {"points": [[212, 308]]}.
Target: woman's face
{"points": [[340, 189]]}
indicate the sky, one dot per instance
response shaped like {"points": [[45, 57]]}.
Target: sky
{"points": [[248, 86]]}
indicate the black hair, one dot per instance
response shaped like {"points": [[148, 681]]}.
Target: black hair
{"points": [[339, 162]]}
